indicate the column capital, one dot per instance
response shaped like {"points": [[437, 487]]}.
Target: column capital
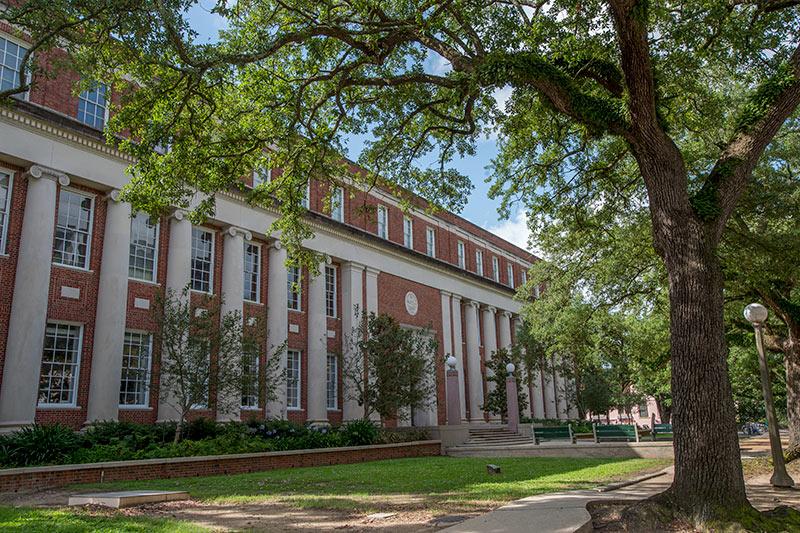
{"points": [[474, 304], [114, 195], [507, 314], [233, 231], [179, 214], [277, 245], [372, 271], [490, 309], [446, 293], [39, 171], [353, 265]]}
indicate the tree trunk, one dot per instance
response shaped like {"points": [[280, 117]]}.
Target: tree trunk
{"points": [[791, 360], [708, 470]]}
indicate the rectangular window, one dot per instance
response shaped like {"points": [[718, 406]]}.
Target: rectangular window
{"points": [[307, 198], [524, 276], [261, 176], [293, 379], [479, 262], [205, 386], [143, 256], [536, 292], [430, 241], [337, 204], [250, 381], [252, 272], [11, 55], [496, 269], [73, 229], [510, 274], [93, 106], [383, 222], [408, 232], [137, 349], [61, 359], [333, 381], [293, 288], [462, 257], [5, 207], [202, 259], [643, 411], [330, 291]]}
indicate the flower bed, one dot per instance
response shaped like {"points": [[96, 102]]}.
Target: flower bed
{"points": [[124, 441]]}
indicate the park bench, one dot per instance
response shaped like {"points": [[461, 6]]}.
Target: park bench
{"points": [[615, 432], [662, 430], [553, 433]]}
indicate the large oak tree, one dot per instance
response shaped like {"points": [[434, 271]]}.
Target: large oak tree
{"points": [[597, 83]]}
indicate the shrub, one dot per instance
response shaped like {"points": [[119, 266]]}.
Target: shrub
{"points": [[39, 445], [133, 435], [394, 436], [201, 428], [277, 429], [359, 433]]}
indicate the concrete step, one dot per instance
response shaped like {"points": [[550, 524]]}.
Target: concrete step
{"points": [[128, 498]]}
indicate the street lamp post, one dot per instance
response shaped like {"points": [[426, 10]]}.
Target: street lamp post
{"points": [[512, 405], [757, 314]]}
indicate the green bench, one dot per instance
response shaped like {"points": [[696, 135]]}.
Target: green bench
{"points": [[662, 430], [615, 432], [553, 433]]}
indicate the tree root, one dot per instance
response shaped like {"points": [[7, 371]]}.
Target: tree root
{"points": [[659, 514]]}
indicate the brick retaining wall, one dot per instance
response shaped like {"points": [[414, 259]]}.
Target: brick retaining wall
{"points": [[46, 477]]}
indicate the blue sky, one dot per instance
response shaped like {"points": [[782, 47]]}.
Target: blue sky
{"points": [[480, 209]]}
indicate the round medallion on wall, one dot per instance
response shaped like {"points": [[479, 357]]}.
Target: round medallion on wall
{"points": [[412, 305]]}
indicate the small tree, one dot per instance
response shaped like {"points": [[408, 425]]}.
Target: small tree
{"points": [[388, 369], [202, 351], [496, 399]]}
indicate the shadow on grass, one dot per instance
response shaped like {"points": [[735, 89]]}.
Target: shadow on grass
{"points": [[81, 520], [401, 482]]}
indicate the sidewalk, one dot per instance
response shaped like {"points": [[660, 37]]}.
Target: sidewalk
{"points": [[565, 512]]}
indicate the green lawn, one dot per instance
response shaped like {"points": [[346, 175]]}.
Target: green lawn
{"points": [[71, 520], [432, 481]]}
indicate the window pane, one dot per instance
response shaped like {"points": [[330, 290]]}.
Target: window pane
{"points": [[11, 56], [5, 198], [293, 288], [250, 381], [136, 359], [293, 379], [252, 272], [92, 106], [332, 381], [330, 291], [202, 259], [58, 378], [73, 230], [143, 248]]}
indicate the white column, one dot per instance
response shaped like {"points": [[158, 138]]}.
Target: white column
{"points": [[20, 387], [352, 310], [537, 405], [505, 330], [458, 352], [447, 330], [179, 258], [232, 302], [525, 386], [277, 322], [112, 300], [474, 363], [489, 348], [317, 349], [561, 391], [372, 290]]}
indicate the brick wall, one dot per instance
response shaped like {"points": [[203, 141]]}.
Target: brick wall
{"points": [[47, 477]]}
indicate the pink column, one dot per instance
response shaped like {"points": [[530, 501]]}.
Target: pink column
{"points": [[512, 406]]}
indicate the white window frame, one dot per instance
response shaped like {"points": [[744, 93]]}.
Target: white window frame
{"points": [[155, 253], [306, 202], [76, 380], [90, 231], [510, 274], [335, 382], [430, 241], [211, 266], [257, 246], [299, 381], [337, 204], [383, 229], [289, 283], [461, 251], [495, 269], [107, 95], [524, 276], [257, 406], [408, 232], [6, 218], [334, 293], [28, 74], [536, 292], [261, 176], [479, 262], [148, 372]]}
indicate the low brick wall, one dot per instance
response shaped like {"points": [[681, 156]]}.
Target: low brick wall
{"points": [[45, 477]]}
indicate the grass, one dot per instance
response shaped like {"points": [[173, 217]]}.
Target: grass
{"points": [[80, 520], [430, 482]]}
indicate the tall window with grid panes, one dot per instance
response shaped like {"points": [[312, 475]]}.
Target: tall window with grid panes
{"points": [[293, 385], [61, 362], [293, 288], [5, 206], [202, 274], [137, 350], [252, 272], [143, 255], [73, 232], [330, 291]]}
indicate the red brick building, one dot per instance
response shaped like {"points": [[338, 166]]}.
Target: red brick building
{"points": [[79, 272]]}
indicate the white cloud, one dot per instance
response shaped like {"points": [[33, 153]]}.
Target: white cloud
{"points": [[501, 96], [515, 230]]}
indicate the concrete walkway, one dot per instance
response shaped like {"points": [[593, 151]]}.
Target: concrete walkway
{"points": [[559, 512], [565, 512]]}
